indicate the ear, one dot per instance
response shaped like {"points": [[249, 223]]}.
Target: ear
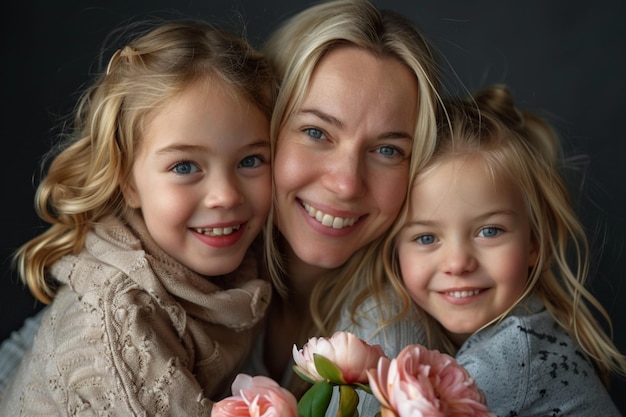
{"points": [[533, 255], [129, 190]]}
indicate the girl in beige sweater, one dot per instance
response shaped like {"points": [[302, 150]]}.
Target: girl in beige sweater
{"points": [[155, 204]]}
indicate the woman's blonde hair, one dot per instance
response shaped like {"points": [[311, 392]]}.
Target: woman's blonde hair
{"points": [[519, 145], [86, 176], [294, 51]]}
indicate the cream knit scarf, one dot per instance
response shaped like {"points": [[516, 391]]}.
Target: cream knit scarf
{"points": [[237, 300]]}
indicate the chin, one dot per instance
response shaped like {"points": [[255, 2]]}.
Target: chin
{"points": [[323, 261], [221, 266]]}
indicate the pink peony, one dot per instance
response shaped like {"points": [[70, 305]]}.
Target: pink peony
{"points": [[350, 355], [256, 397], [423, 382]]}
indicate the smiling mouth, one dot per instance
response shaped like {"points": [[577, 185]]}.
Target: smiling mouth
{"points": [[462, 294], [218, 231], [328, 220]]}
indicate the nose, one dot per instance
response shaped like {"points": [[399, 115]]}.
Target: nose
{"points": [[223, 191], [344, 173], [458, 259]]}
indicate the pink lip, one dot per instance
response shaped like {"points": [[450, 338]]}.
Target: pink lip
{"points": [[329, 210], [221, 241], [328, 231], [467, 295], [220, 225]]}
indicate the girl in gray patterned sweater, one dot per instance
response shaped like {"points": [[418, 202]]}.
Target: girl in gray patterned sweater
{"points": [[483, 252]]}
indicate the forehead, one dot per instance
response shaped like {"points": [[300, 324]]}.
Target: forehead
{"points": [[353, 64], [352, 83], [464, 181]]}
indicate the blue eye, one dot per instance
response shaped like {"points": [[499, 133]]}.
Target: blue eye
{"points": [[185, 168], [251, 161], [425, 239], [489, 231], [390, 151], [314, 133]]}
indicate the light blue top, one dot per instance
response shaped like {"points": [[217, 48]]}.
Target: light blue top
{"points": [[528, 365], [392, 339]]}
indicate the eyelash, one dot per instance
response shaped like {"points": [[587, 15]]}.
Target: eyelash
{"points": [[307, 131], [418, 239], [260, 158], [398, 152], [497, 229], [180, 163]]}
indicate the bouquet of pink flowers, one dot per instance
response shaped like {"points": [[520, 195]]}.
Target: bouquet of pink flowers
{"points": [[418, 382]]}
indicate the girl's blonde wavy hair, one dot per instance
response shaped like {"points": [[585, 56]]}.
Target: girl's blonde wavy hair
{"points": [[525, 149], [85, 178], [294, 51]]}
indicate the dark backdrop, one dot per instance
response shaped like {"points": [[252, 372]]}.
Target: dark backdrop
{"points": [[563, 59]]}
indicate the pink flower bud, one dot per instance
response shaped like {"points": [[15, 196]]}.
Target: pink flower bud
{"points": [[351, 356], [256, 397]]}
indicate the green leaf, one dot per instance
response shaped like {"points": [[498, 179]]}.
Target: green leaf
{"points": [[348, 400], [328, 369], [315, 401], [364, 387]]}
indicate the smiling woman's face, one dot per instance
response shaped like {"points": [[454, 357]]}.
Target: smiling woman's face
{"points": [[342, 160]]}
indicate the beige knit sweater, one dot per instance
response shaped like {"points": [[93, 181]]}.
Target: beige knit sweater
{"points": [[133, 332]]}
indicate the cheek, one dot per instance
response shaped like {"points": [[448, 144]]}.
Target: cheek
{"points": [[515, 269], [289, 168], [412, 269], [389, 189], [170, 203], [261, 196]]}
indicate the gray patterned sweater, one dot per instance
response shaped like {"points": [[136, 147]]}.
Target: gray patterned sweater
{"points": [[527, 365]]}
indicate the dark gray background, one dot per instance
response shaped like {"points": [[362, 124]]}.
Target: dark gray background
{"points": [[562, 59]]}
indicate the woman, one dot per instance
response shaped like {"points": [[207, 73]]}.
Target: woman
{"points": [[354, 119]]}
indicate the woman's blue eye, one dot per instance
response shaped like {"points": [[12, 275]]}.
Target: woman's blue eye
{"points": [[489, 232], [389, 151], [314, 133], [251, 161], [185, 168], [425, 239]]}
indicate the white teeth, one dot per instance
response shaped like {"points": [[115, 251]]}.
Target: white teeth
{"points": [[218, 231], [462, 294], [328, 220]]}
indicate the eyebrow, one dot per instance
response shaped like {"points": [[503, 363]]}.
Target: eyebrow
{"points": [[324, 116], [338, 123], [261, 143], [427, 223], [178, 148], [484, 217]]}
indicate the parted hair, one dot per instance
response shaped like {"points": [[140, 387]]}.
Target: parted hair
{"points": [[88, 171], [519, 145], [294, 50]]}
